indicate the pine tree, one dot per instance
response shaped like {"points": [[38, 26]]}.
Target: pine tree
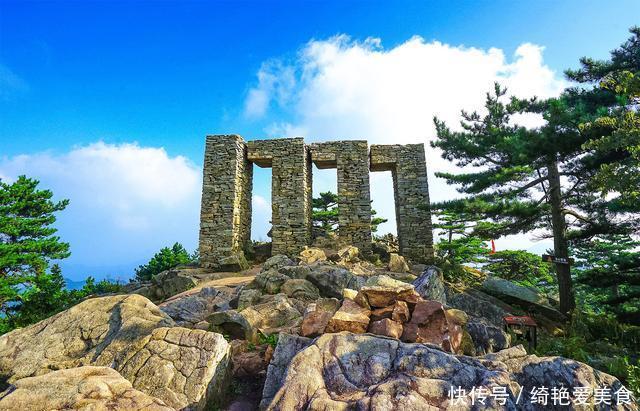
{"points": [[457, 245], [610, 169], [516, 187], [325, 213], [27, 244], [164, 259], [612, 158], [611, 265], [522, 267]]}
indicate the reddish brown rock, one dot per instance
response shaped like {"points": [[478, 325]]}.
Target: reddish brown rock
{"points": [[428, 325], [381, 313], [317, 316], [382, 291], [456, 333], [362, 300], [386, 327], [249, 363], [400, 312], [314, 323], [350, 317]]}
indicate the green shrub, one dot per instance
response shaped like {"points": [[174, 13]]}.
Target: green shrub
{"points": [[165, 259]]}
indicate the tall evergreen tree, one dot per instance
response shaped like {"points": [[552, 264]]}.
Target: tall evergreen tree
{"points": [[610, 168], [27, 244], [611, 265], [516, 186]]}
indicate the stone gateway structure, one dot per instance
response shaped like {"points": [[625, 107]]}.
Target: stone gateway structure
{"points": [[225, 216]]}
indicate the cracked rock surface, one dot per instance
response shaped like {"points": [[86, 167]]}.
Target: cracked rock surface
{"points": [[183, 367], [82, 388], [365, 372]]}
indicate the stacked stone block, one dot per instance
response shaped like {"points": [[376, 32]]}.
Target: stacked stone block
{"points": [[411, 191], [225, 217], [225, 213], [351, 159], [290, 164]]}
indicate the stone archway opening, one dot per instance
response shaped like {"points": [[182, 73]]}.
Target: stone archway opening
{"points": [[324, 181], [226, 208]]}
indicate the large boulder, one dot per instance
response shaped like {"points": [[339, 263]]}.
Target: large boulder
{"points": [[480, 305], [317, 316], [300, 289], [312, 255], [276, 262], [523, 296], [487, 338], [531, 371], [82, 388], [382, 291], [362, 371], [398, 264], [171, 282], [190, 309], [277, 315], [288, 346], [429, 324], [331, 279], [430, 285], [184, 368]]}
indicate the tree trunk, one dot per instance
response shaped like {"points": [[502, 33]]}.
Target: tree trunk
{"points": [[560, 244]]}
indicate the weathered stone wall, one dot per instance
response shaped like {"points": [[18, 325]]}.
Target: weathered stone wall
{"points": [[225, 217], [351, 159], [225, 213], [290, 192], [411, 191]]}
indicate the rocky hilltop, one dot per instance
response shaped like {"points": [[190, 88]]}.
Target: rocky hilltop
{"points": [[325, 330]]}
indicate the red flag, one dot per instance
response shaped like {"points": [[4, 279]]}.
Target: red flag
{"points": [[493, 247]]}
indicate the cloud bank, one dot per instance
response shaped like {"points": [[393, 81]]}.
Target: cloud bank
{"points": [[127, 201], [344, 89]]}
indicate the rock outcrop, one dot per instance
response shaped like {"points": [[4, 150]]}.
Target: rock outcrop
{"points": [[185, 368], [430, 285], [288, 346], [360, 371], [523, 296], [82, 388], [191, 309]]}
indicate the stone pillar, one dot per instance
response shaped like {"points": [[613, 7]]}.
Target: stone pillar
{"points": [[351, 159], [225, 213], [290, 191], [411, 191]]}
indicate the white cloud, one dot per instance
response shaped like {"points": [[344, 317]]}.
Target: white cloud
{"points": [[342, 89], [126, 201], [276, 82]]}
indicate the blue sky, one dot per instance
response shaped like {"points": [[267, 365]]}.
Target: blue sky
{"points": [[87, 89]]}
